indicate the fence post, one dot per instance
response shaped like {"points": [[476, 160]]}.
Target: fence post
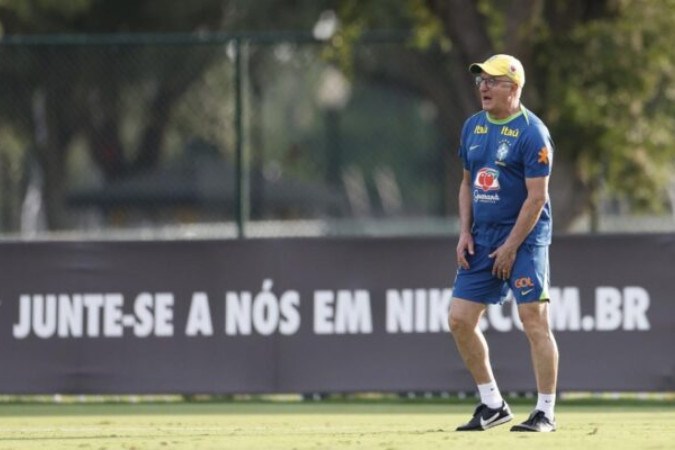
{"points": [[241, 184]]}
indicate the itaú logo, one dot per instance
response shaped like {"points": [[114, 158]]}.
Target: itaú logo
{"points": [[487, 179]]}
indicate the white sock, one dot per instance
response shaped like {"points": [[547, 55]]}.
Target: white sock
{"points": [[490, 395], [546, 403]]}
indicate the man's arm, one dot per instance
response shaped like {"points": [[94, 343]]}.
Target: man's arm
{"points": [[505, 255], [465, 243]]}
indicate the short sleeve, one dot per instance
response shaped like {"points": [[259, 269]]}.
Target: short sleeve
{"points": [[538, 152], [461, 151]]}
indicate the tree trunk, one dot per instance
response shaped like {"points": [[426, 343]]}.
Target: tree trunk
{"points": [[51, 140]]}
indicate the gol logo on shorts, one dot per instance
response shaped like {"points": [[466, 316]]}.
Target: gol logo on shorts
{"points": [[523, 282]]}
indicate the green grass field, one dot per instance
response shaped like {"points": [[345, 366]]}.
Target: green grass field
{"points": [[324, 425]]}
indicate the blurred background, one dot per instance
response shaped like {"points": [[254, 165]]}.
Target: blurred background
{"points": [[151, 119]]}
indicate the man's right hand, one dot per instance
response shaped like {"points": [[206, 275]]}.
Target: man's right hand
{"points": [[464, 246]]}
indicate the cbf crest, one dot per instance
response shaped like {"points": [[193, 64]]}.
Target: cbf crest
{"points": [[502, 153]]}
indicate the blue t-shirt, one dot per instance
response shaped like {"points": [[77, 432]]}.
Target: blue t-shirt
{"points": [[501, 154]]}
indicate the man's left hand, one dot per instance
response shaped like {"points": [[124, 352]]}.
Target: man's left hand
{"points": [[504, 257]]}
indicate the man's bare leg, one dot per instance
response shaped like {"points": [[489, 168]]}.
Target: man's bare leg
{"points": [[472, 346]]}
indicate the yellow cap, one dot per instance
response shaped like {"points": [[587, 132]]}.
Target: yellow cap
{"points": [[501, 65]]}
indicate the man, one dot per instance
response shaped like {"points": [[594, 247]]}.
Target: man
{"points": [[505, 231]]}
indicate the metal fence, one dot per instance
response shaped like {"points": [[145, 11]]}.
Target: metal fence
{"points": [[217, 136], [208, 135]]}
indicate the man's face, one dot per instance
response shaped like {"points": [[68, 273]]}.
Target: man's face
{"points": [[496, 94]]}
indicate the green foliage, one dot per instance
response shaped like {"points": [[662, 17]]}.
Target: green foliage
{"points": [[495, 13], [357, 17], [609, 99], [428, 28], [602, 75], [603, 81]]}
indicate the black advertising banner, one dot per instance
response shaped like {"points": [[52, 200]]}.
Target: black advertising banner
{"points": [[316, 315]]}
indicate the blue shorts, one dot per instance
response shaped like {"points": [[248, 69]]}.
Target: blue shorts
{"points": [[529, 280]]}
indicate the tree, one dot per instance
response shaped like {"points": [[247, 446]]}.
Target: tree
{"points": [[606, 91], [601, 72], [75, 91]]}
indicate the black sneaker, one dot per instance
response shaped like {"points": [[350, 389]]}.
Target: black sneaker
{"points": [[537, 422], [485, 418]]}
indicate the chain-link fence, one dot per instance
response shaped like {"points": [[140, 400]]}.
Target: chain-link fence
{"points": [[220, 136], [212, 136]]}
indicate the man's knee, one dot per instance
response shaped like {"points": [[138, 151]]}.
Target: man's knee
{"points": [[463, 316], [535, 321], [457, 322]]}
